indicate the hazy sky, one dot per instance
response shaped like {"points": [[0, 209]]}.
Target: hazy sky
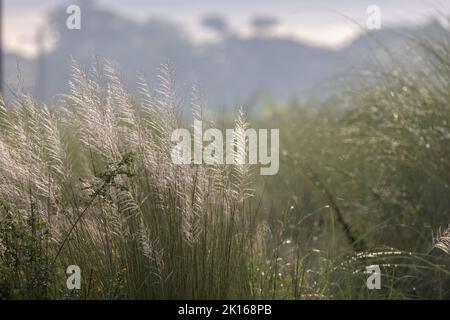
{"points": [[328, 23]]}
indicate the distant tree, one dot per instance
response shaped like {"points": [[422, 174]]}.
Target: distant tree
{"points": [[264, 24], [216, 23]]}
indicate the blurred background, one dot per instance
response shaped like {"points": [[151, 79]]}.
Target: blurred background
{"points": [[235, 51]]}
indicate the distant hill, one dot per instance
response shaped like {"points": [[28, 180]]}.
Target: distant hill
{"points": [[229, 72]]}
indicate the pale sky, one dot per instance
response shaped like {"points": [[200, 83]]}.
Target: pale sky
{"points": [[328, 23]]}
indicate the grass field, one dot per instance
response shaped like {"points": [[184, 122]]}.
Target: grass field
{"points": [[364, 180]]}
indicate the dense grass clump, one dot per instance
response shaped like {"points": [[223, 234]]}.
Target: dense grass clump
{"points": [[97, 176], [378, 158]]}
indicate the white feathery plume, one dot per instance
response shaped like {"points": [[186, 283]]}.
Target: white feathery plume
{"points": [[242, 170]]}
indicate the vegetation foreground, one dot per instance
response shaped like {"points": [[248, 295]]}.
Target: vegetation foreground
{"points": [[90, 182]]}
